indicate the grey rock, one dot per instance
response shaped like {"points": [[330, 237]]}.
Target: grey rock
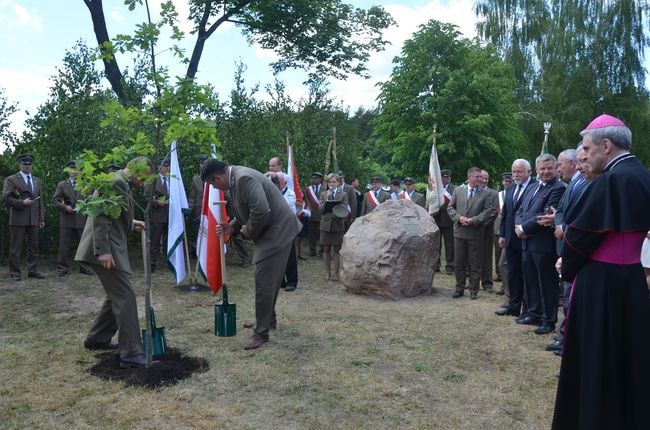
{"points": [[391, 251]]}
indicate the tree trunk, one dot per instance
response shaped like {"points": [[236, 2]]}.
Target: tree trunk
{"points": [[112, 69]]}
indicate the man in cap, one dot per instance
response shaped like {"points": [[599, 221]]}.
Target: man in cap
{"points": [[374, 197], [499, 256], [604, 376], [158, 192], [22, 195], [312, 194], [446, 225], [410, 193], [195, 203], [104, 245], [71, 223]]}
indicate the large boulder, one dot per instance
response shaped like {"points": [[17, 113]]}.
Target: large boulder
{"points": [[391, 252]]}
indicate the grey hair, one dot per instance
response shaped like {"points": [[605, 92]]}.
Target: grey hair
{"points": [[569, 155], [281, 176], [525, 162], [620, 136], [544, 158]]}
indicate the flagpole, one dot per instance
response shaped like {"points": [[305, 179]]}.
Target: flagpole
{"points": [[187, 251]]}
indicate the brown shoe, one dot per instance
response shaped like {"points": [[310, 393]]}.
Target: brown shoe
{"points": [[255, 342]]}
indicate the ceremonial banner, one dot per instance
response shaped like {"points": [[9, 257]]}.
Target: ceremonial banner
{"points": [[209, 249], [292, 177], [177, 207], [435, 190]]}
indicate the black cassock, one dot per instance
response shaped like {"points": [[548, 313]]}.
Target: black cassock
{"points": [[605, 373]]}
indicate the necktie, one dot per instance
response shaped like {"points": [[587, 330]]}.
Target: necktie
{"points": [[165, 185], [334, 193], [471, 193], [376, 193], [576, 185], [29, 184], [518, 192], [538, 189]]}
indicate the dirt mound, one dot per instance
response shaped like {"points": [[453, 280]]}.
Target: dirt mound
{"points": [[173, 367]]}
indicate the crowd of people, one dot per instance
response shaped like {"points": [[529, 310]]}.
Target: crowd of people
{"points": [[571, 234]]}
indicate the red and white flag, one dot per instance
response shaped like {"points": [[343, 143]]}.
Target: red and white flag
{"points": [[292, 177], [209, 248]]}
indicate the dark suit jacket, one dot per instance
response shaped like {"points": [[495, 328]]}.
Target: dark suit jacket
{"points": [[328, 221], [488, 230], [311, 204], [542, 238], [509, 213], [14, 192], [159, 210], [104, 234], [480, 209], [259, 205], [64, 196], [367, 207]]}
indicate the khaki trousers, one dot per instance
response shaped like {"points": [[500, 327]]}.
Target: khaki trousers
{"points": [[269, 273]]}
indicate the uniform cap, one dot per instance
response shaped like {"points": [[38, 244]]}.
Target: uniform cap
{"points": [[26, 158], [445, 173]]}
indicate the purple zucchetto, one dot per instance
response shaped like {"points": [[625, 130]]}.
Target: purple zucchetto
{"points": [[605, 121]]}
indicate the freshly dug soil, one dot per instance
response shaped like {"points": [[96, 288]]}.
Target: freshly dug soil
{"points": [[173, 367]]}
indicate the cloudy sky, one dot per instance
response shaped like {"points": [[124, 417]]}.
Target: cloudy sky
{"points": [[34, 35]]}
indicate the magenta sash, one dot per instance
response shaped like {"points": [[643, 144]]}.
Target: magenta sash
{"points": [[620, 248]]}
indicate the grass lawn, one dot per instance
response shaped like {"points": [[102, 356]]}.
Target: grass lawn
{"points": [[336, 360]]}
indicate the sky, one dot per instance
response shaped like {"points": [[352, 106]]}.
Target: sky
{"points": [[34, 35]]}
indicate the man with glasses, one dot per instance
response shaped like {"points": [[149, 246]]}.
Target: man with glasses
{"points": [[22, 195]]}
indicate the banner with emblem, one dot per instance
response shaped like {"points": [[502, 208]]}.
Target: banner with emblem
{"points": [[435, 190], [176, 226]]}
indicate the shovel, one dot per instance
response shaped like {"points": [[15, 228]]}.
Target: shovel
{"points": [[158, 341], [225, 313]]}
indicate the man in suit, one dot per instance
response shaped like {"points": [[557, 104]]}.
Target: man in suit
{"points": [[509, 241], [104, 245], [470, 208], [446, 225], [410, 193], [262, 215], [312, 194], [22, 195], [539, 248], [374, 197], [488, 235], [499, 256], [352, 200], [158, 192], [71, 223], [567, 164]]}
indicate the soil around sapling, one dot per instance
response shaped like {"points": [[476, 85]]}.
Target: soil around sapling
{"points": [[173, 368]]}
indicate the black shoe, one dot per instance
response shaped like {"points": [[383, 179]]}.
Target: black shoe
{"points": [[507, 311], [545, 329], [528, 320], [498, 279], [437, 270], [99, 346], [63, 273], [449, 273], [86, 272], [555, 346], [558, 337], [458, 293], [300, 257], [16, 278], [36, 275], [290, 288], [136, 361], [473, 296]]}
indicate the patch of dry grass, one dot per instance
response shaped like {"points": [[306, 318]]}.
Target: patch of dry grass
{"points": [[336, 360]]}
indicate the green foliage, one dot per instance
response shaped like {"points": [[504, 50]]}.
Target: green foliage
{"points": [[573, 60], [94, 181], [7, 137], [441, 78]]}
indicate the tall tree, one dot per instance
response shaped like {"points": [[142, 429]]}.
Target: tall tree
{"points": [[327, 37], [7, 137], [444, 79], [573, 59]]}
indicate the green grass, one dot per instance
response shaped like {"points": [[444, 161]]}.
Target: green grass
{"points": [[336, 361]]}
